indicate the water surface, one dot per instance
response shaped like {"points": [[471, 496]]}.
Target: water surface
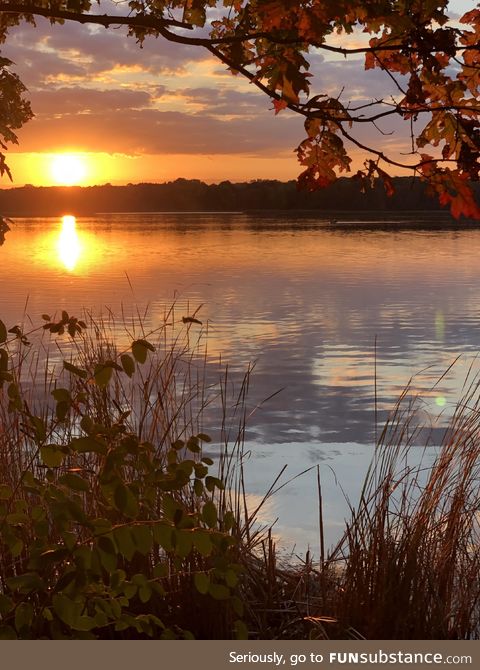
{"points": [[313, 304]]}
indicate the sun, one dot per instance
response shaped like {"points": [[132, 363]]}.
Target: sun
{"points": [[68, 169]]}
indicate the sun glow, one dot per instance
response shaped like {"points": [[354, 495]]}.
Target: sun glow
{"points": [[69, 169], [69, 247]]}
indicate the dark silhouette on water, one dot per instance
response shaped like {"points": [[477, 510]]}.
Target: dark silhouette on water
{"points": [[192, 195]]}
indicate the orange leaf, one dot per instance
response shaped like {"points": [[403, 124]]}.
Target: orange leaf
{"points": [[369, 60], [278, 105]]}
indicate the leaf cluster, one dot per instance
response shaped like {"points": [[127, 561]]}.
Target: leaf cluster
{"points": [[99, 530], [432, 62]]}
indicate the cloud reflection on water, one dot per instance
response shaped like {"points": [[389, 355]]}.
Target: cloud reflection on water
{"points": [[306, 301]]}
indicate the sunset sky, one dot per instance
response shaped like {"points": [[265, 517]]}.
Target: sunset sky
{"points": [[161, 112]]}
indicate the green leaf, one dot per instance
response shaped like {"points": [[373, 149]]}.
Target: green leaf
{"points": [[74, 510], [7, 633], [237, 605], [86, 423], [193, 444], [241, 631], [17, 519], [231, 578], [142, 538], [105, 544], [145, 593], [209, 514], [108, 560], [5, 492], [128, 364], [171, 507], [47, 614], [228, 520], [3, 332], [5, 377], [66, 609], [125, 501], [75, 370], [16, 547], [140, 348], [200, 470], [74, 482], [51, 455], [204, 437], [3, 360], [102, 374], [84, 445], [101, 619], [124, 540], [212, 482], [183, 543], [202, 542], [62, 409], [202, 582], [162, 534], [130, 590], [84, 623], [198, 487], [139, 351], [23, 616], [39, 427], [6, 604], [70, 539], [219, 591], [160, 570], [62, 395], [29, 581], [65, 580], [13, 391]]}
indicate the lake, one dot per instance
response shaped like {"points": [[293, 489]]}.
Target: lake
{"points": [[316, 305]]}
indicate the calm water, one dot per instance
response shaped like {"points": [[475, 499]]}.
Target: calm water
{"points": [[303, 298]]}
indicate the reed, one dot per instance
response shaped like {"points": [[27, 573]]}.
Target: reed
{"points": [[411, 552], [408, 563], [104, 475], [120, 518]]}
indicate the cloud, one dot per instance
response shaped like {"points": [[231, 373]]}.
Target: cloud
{"points": [[96, 90], [79, 100], [223, 101], [76, 50], [151, 131]]}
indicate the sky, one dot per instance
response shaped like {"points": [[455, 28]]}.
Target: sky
{"points": [[161, 112]]}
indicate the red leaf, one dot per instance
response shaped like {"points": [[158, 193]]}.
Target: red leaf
{"points": [[369, 60], [278, 105], [387, 181]]}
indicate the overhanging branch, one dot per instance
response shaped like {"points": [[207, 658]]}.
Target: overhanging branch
{"points": [[161, 24]]}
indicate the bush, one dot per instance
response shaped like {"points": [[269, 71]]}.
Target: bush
{"points": [[111, 524]]}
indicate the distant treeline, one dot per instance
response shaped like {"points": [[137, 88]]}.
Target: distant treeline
{"points": [[194, 195]]}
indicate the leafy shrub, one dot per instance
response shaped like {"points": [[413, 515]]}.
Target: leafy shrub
{"points": [[103, 532]]}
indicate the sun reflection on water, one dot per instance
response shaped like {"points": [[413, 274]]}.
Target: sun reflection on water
{"points": [[69, 246]]}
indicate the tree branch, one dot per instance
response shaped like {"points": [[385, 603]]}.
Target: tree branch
{"points": [[106, 20], [155, 23]]}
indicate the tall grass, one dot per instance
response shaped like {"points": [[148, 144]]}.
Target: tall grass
{"points": [[105, 432], [411, 551], [408, 563], [118, 517]]}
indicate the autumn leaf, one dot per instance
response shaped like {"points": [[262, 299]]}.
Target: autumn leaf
{"points": [[432, 64], [278, 105]]}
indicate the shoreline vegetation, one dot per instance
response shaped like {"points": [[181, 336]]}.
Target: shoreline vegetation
{"points": [[193, 195], [121, 518]]}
